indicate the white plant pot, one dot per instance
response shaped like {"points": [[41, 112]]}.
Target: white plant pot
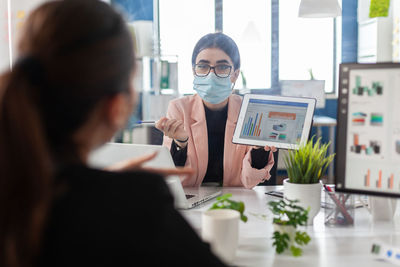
{"points": [[309, 196]]}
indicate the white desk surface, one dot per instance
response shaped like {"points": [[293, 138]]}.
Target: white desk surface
{"points": [[329, 246]]}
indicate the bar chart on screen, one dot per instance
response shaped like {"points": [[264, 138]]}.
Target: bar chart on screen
{"points": [[253, 125], [278, 127], [268, 120], [384, 182], [379, 181], [390, 181], [368, 135]]}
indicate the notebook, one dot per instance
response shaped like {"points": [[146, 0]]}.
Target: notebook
{"points": [[185, 198]]}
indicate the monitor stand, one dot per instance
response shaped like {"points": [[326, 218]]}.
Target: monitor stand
{"points": [[382, 208]]}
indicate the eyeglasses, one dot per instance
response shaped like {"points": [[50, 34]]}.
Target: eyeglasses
{"points": [[221, 70]]}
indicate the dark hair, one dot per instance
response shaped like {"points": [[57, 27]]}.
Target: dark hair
{"points": [[221, 41], [74, 54]]}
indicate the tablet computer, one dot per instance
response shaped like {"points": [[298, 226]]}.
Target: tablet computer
{"points": [[280, 121]]}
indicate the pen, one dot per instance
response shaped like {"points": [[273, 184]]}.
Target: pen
{"points": [[146, 122], [275, 194], [340, 206]]}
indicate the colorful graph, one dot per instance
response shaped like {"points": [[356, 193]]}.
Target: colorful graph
{"points": [[253, 127], [374, 146], [367, 178], [375, 89], [279, 127], [359, 118], [273, 135], [376, 119], [390, 181], [378, 183]]}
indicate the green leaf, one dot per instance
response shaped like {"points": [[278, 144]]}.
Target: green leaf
{"points": [[281, 241], [287, 212], [296, 251], [224, 197], [223, 202], [302, 238]]}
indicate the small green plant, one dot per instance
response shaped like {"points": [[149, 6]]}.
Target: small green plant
{"points": [[311, 74], [244, 80], [223, 202], [287, 213], [307, 164]]}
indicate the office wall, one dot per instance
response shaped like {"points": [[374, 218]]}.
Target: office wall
{"points": [[349, 54], [135, 9], [349, 31], [4, 38], [14, 21]]}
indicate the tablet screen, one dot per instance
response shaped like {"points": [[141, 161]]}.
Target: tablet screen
{"points": [[275, 120]]}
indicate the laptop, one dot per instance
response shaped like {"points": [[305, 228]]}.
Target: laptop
{"points": [[184, 198]]}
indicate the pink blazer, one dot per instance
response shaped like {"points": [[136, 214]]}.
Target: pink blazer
{"points": [[237, 158]]}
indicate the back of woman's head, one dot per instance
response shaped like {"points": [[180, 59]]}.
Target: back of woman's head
{"points": [[220, 41], [73, 55]]}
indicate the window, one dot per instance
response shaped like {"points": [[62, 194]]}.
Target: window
{"points": [[249, 25], [338, 50], [182, 24], [306, 44]]}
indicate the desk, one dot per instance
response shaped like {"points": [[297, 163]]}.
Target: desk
{"points": [[323, 121], [329, 246]]}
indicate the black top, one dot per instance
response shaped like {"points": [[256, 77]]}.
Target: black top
{"points": [[104, 218], [216, 122]]}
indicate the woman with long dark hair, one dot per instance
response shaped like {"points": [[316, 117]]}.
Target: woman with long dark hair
{"points": [[69, 92]]}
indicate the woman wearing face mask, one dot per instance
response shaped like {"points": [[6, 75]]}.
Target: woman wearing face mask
{"points": [[198, 129]]}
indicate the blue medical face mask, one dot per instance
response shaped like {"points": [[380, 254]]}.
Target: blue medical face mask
{"points": [[213, 89]]}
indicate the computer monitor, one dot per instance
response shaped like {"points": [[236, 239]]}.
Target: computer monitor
{"points": [[368, 129], [305, 88]]}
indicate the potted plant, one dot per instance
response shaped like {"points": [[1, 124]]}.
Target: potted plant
{"points": [[287, 217], [305, 168]]}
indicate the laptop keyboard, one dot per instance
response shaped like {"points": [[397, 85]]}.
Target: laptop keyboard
{"points": [[189, 196]]}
